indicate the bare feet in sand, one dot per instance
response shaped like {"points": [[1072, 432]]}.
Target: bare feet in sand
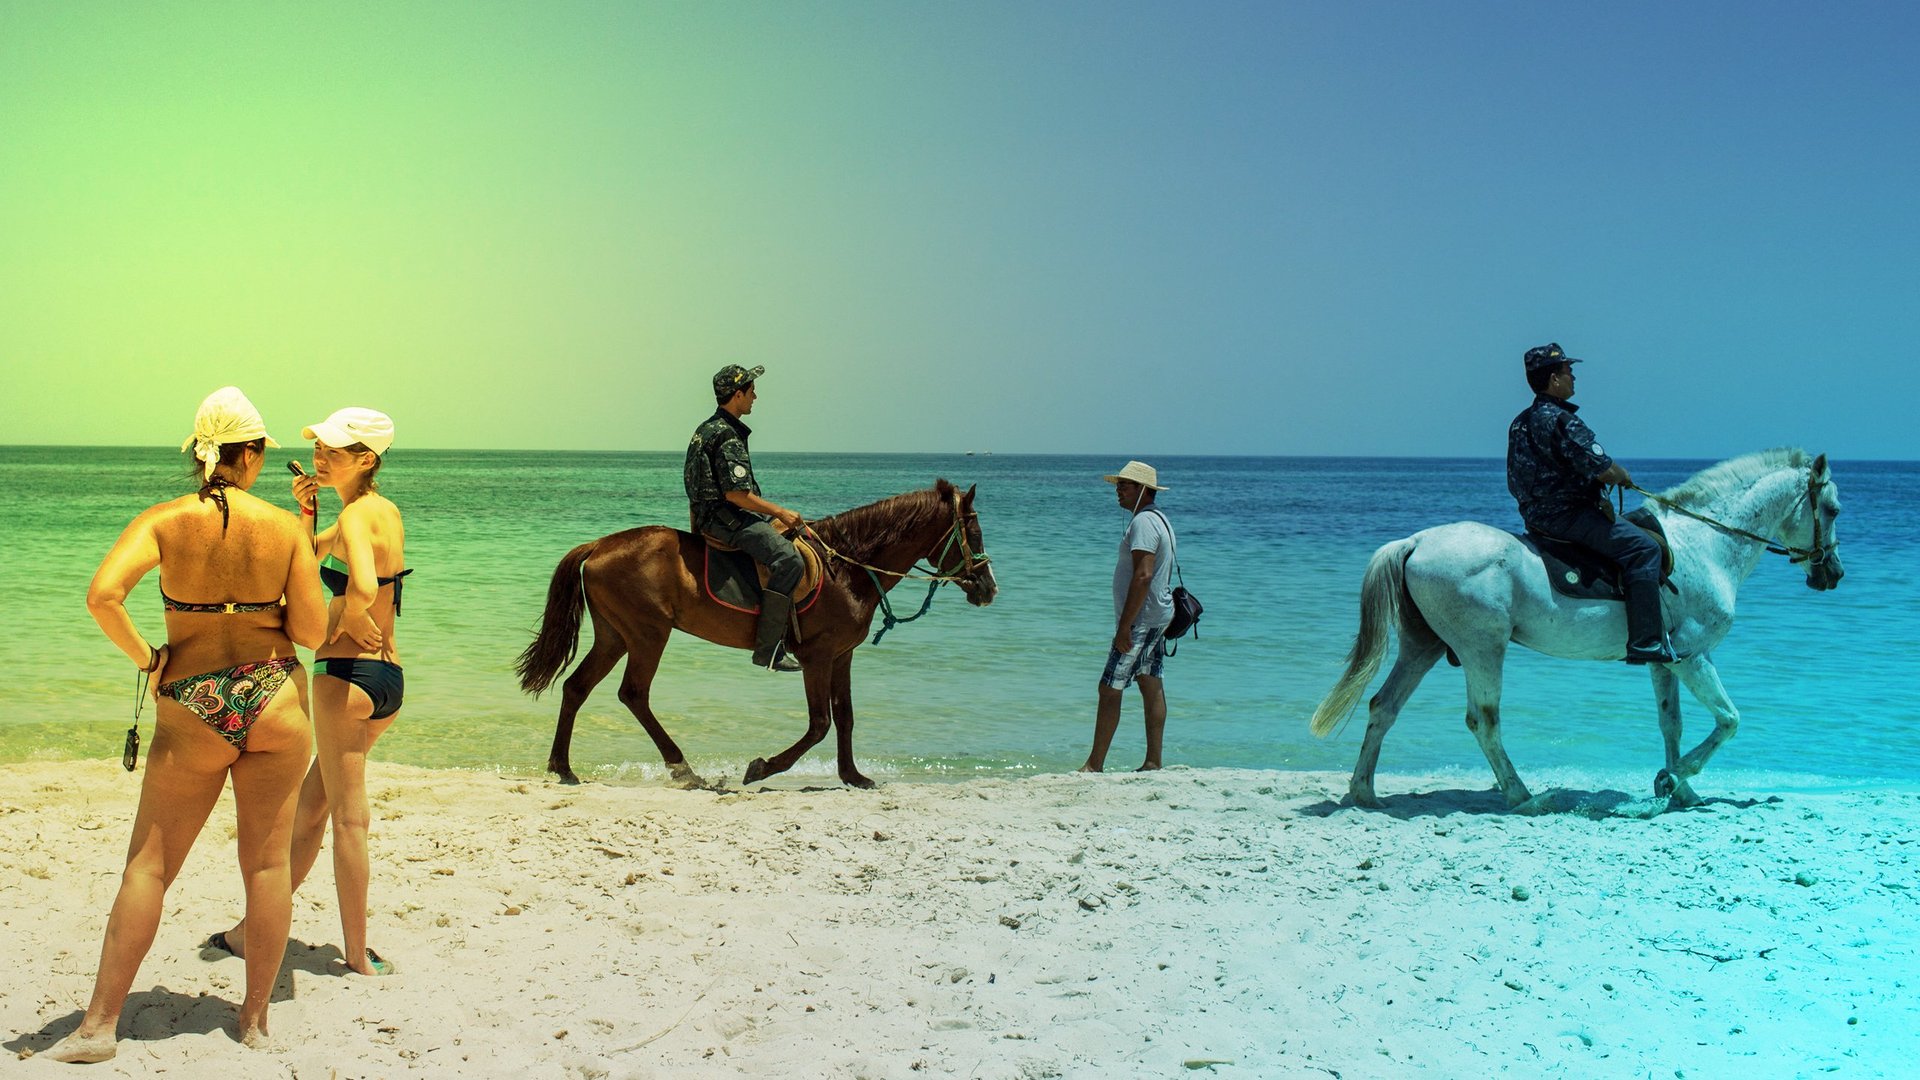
{"points": [[83, 1050]]}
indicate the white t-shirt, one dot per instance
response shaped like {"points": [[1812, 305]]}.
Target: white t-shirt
{"points": [[1148, 531]]}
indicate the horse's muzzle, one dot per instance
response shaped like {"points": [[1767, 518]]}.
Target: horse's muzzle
{"points": [[1825, 574], [980, 588]]}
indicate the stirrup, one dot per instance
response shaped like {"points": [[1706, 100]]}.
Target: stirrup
{"points": [[781, 661], [1661, 652]]}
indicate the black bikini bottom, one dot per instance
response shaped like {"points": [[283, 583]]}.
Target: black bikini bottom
{"points": [[383, 683]]}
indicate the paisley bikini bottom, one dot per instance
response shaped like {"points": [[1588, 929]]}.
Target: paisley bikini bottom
{"points": [[231, 699]]}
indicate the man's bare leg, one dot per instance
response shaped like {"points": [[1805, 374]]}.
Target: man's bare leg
{"points": [[1153, 697], [1106, 720]]}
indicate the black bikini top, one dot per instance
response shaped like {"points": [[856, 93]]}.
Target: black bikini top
{"points": [[333, 575]]}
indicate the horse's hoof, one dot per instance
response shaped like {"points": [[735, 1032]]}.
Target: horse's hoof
{"points": [[1365, 798], [757, 771], [685, 778], [1664, 784], [857, 780], [1682, 796], [564, 774]]}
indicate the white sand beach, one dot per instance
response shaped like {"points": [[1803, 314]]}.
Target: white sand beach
{"points": [[1192, 922]]}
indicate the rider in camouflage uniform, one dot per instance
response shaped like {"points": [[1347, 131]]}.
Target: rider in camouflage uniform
{"points": [[727, 505], [1558, 473]]}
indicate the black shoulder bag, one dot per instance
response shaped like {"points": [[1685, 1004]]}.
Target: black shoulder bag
{"points": [[1187, 608]]}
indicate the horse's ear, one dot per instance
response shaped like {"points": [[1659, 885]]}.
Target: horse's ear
{"points": [[1820, 473], [966, 501], [944, 488]]}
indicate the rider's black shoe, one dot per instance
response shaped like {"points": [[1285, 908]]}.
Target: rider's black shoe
{"points": [[1660, 652], [780, 661], [1647, 641], [769, 639]]}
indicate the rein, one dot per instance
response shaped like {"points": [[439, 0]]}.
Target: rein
{"points": [[970, 565], [1794, 554]]}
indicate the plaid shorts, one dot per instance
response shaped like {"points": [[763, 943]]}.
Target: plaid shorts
{"points": [[1146, 657]]}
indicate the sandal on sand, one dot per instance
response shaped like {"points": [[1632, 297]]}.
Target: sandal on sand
{"points": [[217, 943], [380, 966]]}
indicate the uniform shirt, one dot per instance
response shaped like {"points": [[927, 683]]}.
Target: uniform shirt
{"points": [[717, 462], [1553, 463], [1148, 531]]}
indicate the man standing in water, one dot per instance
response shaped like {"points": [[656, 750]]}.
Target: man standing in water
{"points": [[727, 506], [1558, 473], [1142, 607]]}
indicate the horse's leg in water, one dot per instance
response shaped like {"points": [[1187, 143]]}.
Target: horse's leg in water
{"points": [[1417, 657], [636, 684], [1483, 716], [819, 682], [599, 660], [842, 708], [1666, 695], [1703, 680]]}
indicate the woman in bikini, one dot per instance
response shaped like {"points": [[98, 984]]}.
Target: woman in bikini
{"points": [[238, 584], [357, 690]]}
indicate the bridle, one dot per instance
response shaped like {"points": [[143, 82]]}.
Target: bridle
{"points": [[1819, 554], [971, 564]]}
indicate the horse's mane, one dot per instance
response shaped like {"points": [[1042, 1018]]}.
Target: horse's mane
{"points": [[865, 529], [1735, 474]]}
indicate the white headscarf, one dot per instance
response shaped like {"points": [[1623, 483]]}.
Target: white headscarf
{"points": [[225, 417]]}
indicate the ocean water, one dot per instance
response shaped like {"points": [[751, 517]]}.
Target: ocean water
{"points": [[1274, 546]]}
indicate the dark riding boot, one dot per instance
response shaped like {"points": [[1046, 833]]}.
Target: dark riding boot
{"points": [[1646, 636], [769, 638]]}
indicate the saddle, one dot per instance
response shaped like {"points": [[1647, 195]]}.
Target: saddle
{"points": [[1585, 574], [732, 579]]}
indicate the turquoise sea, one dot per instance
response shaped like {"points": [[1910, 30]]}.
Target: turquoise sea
{"points": [[1275, 547]]}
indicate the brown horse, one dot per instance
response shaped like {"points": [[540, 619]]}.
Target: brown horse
{"points": [[643, 584]]}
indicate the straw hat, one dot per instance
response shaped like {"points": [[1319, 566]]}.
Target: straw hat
{"points": [[1140, 473]]}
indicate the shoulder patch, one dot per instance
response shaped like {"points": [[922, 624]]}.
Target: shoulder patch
{"points": [[1598, 449], [739, 472]]}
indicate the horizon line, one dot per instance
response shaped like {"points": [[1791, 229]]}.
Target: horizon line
{"points": [[929, 453]]}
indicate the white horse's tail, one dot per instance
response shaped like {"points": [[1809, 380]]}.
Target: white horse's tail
{"points": [[1380, 594]]}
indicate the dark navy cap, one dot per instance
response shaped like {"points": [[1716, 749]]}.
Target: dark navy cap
{"points": [[1546, 357], [733, 378]]}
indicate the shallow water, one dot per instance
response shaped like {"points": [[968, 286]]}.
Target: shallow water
{"points": [[1275, 547]]}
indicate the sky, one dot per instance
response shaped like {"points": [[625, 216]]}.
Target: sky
{"points": [[1117, 228]]}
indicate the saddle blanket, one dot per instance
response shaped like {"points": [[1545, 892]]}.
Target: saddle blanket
{"points": [[733, 580], [1585, 574]]}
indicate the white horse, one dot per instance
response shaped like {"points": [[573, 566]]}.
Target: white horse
{"points": [[1469, 589]]}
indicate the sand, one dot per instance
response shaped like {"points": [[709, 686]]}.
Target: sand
{"points": [[1195, 922]]}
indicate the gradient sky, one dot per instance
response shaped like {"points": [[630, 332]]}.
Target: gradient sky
{"points": [[1136, 229]]}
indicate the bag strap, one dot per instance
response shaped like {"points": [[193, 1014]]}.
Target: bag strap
{"points": [[1172, 542]]}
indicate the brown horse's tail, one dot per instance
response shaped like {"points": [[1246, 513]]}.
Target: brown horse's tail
{"points": [[1381, 592], [559, 637]]}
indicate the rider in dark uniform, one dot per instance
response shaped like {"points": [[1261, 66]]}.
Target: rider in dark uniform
{"points": [[727, 505], [1559, 474]]}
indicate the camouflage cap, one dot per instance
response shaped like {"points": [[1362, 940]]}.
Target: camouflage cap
{"points": [[733, 378], [1546, 357]]}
